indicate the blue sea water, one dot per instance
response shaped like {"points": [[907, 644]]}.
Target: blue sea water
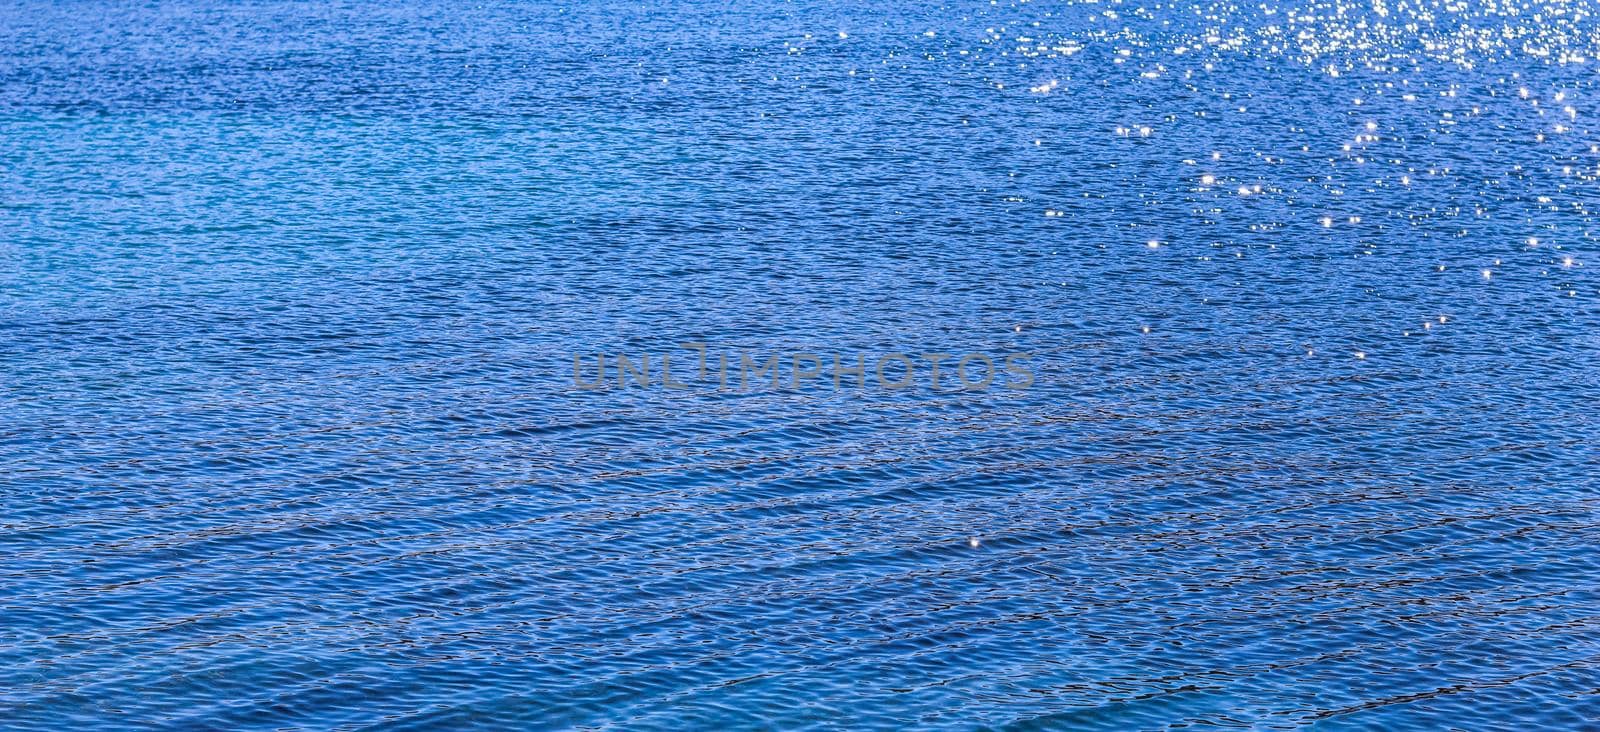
{"points": [[290, 295]]}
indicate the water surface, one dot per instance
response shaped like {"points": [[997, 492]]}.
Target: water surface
{"points": [[290, 292]]}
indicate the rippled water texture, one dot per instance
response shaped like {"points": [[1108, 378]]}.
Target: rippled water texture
{"points": [[289, 295]]}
